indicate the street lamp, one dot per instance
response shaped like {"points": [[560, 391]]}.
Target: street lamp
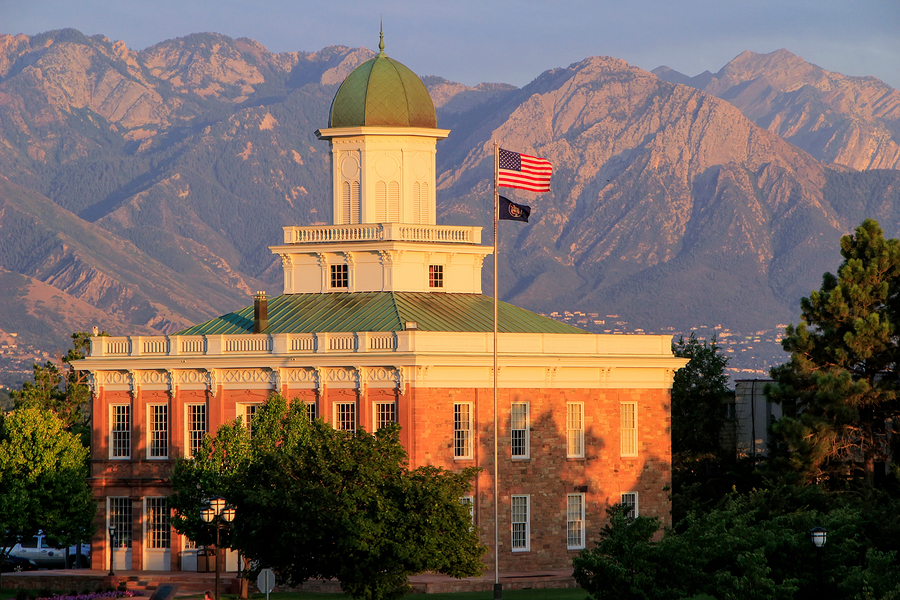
{"points": [[818, 535], [112, 548], [217, 512]]}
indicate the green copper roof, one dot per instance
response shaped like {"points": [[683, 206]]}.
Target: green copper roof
{"points": [[382, 311], [381, 92]]}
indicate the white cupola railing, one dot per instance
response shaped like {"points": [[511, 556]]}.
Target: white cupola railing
{"points": [[379, 232]]}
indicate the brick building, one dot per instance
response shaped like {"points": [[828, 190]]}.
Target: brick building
{"points": [[382, 320]]}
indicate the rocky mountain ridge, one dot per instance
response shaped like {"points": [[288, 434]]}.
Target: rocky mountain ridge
{"points": [[150, 184], [850, 121]]}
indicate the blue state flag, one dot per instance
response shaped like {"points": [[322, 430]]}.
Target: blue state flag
{"points": [[510, 211]]}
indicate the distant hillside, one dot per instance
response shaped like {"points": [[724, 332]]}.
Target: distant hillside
{"points": [[851, 121], [150, 184]]}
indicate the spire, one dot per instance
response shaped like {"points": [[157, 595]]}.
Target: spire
{"points": [[381, 39]]}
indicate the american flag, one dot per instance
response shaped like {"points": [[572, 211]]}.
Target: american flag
{"points": [[524, 172]]}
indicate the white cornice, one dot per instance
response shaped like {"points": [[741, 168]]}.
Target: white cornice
{"points": [[338, 132]]}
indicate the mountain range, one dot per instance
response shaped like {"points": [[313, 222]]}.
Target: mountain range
{"points": [[141, 190]]}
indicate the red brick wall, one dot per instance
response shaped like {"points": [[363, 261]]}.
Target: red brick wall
{"points": [[426, 416], [547, 476]]}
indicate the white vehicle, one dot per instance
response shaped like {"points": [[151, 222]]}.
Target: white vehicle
{"points": [[45, 556]]}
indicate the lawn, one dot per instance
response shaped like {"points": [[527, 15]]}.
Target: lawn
{"points": [[549, 594]]}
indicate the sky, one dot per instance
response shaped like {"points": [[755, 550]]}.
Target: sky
{"points": [[506, 41]]}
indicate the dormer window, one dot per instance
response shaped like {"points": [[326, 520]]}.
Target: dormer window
{"points": [[340, 277], [436, 276]]}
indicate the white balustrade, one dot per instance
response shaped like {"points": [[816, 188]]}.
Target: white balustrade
{"points": [[253, 343], [155, 345], [382, 342], [374, 232], [117, 346], [342, 342], [195, 344], [307, 343]]}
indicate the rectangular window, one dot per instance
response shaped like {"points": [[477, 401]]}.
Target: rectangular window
{"points": [[120, 434], [518, 427], [521, 524], [575, 521], [630, 502], [345, 416], [469, 503], [250, 411], [436, 276], [575, 430], [196, 427], [340, 276], [312, 411], [462, 430], [158, 532], [120, 518], [629, 442], [158, 416], [385, 414]]}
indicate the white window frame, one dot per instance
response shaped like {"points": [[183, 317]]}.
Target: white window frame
{"points": [[191, 434], [574, 430], [123, 519], [520, 431], [520, 530], [463, 427], [157, 438], [631, 499], [157, 535], [575, 521], [469, 502], [377, 421], [339, 421], [248, 411], [628, 441], [340, 273], [124, 437], [435, 276], [312, 410]]}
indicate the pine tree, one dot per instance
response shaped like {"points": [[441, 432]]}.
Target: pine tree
{"points": [[840, 385]]}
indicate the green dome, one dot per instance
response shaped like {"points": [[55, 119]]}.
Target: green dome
{"points": [[381, 92]]}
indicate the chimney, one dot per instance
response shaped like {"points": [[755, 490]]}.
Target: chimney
{"points": [[260, 312]]}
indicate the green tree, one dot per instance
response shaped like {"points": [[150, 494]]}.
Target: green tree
{"points": [[840, 385], [60, 388], [699, 392], [751, 546], [313, 502], [43, 480]]}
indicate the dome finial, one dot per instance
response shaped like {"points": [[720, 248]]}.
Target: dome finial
{"points": [[381, 39]]}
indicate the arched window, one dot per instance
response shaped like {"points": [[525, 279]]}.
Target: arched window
{"points": [[350, 201]]}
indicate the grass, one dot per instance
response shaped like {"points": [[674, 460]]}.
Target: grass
{"points": [[548, 594]]}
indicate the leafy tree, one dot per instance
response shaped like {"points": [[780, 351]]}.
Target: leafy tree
{"points": [[626, 562], [699, 391], [43, 480], [840, 385], [703, 468], [313, 502], [753, 546], [60, 388]]}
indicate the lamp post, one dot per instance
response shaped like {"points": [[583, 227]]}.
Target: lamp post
{"points": [[217, 512], [112, 548], [818, 535]]}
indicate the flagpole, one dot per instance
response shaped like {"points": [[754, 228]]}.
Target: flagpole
{"points": [[498, 589]]}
